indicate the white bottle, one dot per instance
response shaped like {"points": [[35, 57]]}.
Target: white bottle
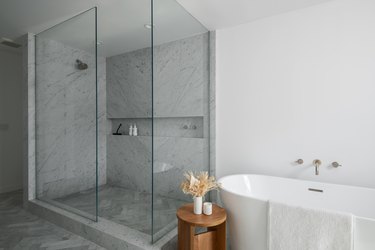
{"points": [[131, 130], [135, 130]]}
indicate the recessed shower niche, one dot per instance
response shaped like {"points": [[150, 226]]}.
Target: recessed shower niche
{"points": [[186, 127], [89, 80]]}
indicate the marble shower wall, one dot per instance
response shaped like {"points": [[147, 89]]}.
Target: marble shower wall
{"points": [[181, 85], [129, 85], [181, 77], [129, 162], [66, 120]]}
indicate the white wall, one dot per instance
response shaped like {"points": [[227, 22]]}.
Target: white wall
{"points": [[299, 85], [10, 120]]}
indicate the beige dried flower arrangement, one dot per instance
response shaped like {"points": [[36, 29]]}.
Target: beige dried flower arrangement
{"points": [[198, 184]]}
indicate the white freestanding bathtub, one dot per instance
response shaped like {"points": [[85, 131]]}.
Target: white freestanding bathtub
{"points": [[246, 199]]}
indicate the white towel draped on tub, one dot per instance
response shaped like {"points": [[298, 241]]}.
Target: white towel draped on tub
{"points": [[297, 228]]}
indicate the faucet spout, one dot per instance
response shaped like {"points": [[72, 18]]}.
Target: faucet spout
{"points": [[316, 170], [317, 164]]}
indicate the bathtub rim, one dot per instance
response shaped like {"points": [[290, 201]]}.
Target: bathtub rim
{"points": [[287, 178]]}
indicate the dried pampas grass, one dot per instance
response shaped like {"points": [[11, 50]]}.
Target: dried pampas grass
{"points": [[198, 184]]}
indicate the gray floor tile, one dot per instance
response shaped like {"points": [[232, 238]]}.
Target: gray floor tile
{"points": [[20, 229]]}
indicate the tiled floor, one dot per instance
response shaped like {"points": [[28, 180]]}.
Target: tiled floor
{"points": [[21, 230], [127, 207]]}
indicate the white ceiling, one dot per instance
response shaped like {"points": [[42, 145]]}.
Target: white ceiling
{"points": [[218, 14], [120, 22]]}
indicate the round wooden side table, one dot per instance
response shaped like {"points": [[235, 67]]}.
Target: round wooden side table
{"points": [[215, 236]]}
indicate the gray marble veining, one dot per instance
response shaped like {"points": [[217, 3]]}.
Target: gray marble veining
{"points": [[129, 162], [129, 85], [181, 73], [127, 207], [106, 233], [172, 158], [66, 120], [28, 113], [181, 97], [20, 229]]}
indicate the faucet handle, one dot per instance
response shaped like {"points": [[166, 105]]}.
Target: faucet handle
{"points": [[335, 164], [317, 162], [299, 161]]}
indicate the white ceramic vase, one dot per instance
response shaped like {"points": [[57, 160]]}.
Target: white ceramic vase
{"points": [[198, 205]]}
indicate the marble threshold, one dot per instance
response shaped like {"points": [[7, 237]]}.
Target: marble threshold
{"points": [[105, 232]]}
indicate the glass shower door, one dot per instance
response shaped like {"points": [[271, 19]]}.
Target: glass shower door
{"points": [[180, 108], [126, 199], [66, 113]]}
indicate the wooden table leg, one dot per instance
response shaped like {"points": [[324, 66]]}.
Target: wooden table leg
{"points": [[181, 235], [185, 236], [191, 237], [222, 236], [221, 239]]}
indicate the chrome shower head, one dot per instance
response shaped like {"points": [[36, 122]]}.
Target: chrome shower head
{"points": [[81, 65]]}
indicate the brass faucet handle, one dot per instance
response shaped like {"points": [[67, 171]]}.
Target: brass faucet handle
{"points": [[317, 162], [335, 164], [299, 161]]}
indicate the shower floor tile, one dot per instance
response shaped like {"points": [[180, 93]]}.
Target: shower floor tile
{"points": [[127, 207]]}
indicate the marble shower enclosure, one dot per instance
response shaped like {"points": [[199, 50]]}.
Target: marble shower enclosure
{"points": [[66, 120], [65, 117], [181, 115]]}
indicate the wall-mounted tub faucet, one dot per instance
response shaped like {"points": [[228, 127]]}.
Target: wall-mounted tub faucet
{"points": [[335, 164], [317, 164]]}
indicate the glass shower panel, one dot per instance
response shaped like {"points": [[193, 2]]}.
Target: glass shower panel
{"points": [[126, 198], [66, 115], [180, 108]]}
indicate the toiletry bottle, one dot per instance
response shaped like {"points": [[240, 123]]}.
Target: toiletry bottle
{"points": [[131, 130], [135, 130]]}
